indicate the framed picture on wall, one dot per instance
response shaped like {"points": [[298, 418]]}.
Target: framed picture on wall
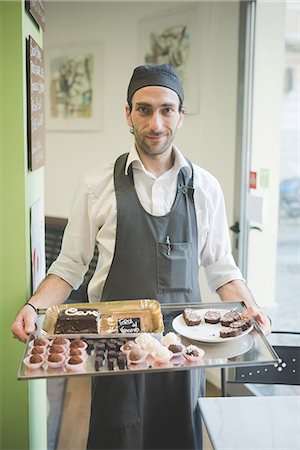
{"points": [[173, 37], [74, 87]]}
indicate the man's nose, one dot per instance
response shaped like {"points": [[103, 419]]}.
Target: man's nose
{"points": [[156, 121]]}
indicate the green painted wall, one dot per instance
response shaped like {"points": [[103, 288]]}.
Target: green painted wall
{"points": [[23, 410]]}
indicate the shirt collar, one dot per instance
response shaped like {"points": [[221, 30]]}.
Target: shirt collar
{"points": [[180, 161]]}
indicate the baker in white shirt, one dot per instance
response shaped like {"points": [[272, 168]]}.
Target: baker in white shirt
{"points": [[155, 218]]}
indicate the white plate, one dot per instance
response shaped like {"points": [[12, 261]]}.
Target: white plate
{"points": [[204, 332]]}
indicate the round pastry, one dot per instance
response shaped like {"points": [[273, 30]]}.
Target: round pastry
{"points": [[162, 354], [176, 349], [56, 349], [170, 338], [75, 363], [55, 360], [75, 360], [193, 353], [78, 343], [75, 352], [60, 341], [39, 342], [37, 350], [212, 317], [136, 355], [34, 359], [128, 346]]}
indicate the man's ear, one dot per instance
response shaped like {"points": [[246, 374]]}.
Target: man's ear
{"points": [[128, 115]]}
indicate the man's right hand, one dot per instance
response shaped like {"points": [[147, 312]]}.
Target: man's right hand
{"points": [[24, 323]]}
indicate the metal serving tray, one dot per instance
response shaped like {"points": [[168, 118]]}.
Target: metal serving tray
{"points": [[248, 349]]}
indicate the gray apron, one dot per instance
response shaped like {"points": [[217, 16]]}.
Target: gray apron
{"points": [[154, 257]]}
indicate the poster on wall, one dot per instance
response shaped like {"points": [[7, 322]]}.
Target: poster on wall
{"points": [[74, 87], [36, 8], [173, 38], [35, 104], [37, 236]]}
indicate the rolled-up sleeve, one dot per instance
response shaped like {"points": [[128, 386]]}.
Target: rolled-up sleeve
{"points": [[215, 247], [78, 243]]}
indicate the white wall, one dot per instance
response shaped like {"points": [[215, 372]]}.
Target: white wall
{"points": [[208, 138]]}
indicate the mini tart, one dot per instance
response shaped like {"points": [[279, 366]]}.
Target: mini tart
{"points": [[34, 365], [193, 353]]}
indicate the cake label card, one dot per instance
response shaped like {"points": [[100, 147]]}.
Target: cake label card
{"points": [[129, 325]]}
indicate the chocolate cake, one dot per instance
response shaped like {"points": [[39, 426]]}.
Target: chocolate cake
{"points": [[242, 324], [230, 317], [212, 316], [78, 320], [191, 317], [227, 332]]}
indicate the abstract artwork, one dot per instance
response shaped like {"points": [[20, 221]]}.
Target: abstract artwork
{"points": [[74, 88], [172, 38]]}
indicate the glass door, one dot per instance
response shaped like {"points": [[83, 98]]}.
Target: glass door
{"points": [[268, 212]]}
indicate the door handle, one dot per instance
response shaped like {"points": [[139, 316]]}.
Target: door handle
{"points": [[252, 227], [235, 227]]}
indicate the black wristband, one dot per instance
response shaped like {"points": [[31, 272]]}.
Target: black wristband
{"points": [[31, 306]]}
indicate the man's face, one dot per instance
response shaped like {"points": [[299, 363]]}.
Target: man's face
{"points": [[155, 117]]}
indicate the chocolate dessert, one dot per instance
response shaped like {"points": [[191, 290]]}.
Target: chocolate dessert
{"points": [[54, 357], [37, 350], [60, 341], [75, 352], [229, 317], [191, 317], [212, 317], [77, 343], [56, 349], [39, 342], [243, 324], [227, 332], [78, 320], [175, 348], [75, 360], [34, 359]]}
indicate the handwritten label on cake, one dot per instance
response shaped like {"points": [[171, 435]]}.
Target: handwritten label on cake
{"points": [[81, 312], [129, 325]]}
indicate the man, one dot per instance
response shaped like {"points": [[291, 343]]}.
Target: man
{"points": [[155, 218]]}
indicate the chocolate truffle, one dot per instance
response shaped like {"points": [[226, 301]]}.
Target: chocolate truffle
{"points": [[37, 350], [77, 343], [56, 349], [75, 360], [75, 352], [54, 357], [136, 354], [175, 348], [39, 342], [34, 359], [59, 341]]}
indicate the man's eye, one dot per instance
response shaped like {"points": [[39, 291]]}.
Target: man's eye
{"points": [[143, 110], [168, 111]]}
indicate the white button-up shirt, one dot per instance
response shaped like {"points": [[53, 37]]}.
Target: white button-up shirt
{"points": [[94, 215]]}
